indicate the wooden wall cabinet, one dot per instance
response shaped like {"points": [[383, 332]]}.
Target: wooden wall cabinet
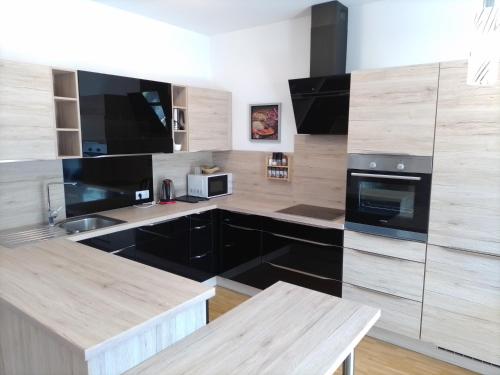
{"points": [[27, 120], [209, 114], [461, 310], [465, 202], [393, 110]]}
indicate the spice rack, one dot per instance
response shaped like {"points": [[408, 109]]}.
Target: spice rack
{"points": [[278, 166]]}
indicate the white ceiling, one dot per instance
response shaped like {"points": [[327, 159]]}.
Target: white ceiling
{"points": [[220, 16]]}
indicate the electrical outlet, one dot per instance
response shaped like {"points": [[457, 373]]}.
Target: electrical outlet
{"points": [[141, 194]]}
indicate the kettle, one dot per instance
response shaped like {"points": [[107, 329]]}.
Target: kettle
{"points": [[167, 192]]}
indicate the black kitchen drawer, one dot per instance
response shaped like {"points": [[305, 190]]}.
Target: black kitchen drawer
{"points": [[174, 247], [113, 241], [238, 245], [164, 264], [201, 240], [240, 219], [204, 262], [265, 275], [170, 227], [203, 218], [315, 258], [306, 232]]}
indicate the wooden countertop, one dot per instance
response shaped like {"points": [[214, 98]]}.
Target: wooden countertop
{"points": [[91, 298], [87, 297], [285, 329], [134, 216]]}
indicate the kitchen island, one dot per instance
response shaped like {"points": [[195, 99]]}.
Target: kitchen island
{"points": [[66, 308]]}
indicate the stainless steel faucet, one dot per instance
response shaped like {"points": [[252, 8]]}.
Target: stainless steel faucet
{"points": [[53, 213]]}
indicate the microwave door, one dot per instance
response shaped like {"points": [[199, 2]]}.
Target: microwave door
{"points": [[217, 185]]}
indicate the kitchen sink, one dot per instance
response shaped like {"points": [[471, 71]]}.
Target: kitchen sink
{"points": [[86, 223], [21, 236]]}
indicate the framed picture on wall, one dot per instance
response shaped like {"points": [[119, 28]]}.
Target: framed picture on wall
{"points": [[265, 122]]}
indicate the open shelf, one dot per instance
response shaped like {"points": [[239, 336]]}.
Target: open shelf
{"points": [[179, 97], [68, 144], [64, 83], [67, 114]]}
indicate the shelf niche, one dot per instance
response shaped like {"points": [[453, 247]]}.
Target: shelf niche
{"points": [[67, 113]]}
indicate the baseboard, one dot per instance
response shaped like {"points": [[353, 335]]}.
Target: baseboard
{"points": [[418, 346], [433, 351]]}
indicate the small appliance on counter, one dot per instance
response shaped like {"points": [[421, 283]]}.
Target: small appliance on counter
{"points": [[167, 192], [210, 186]]}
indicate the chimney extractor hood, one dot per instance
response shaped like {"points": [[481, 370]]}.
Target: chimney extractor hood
{"points": [[321, 103]]}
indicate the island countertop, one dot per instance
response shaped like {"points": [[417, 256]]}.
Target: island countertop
{"points": [[87, 297]]}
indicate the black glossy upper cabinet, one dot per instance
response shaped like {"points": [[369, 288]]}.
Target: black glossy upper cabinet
{"points": [[123, 115]]}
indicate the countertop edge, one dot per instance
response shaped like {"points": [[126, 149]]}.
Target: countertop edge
{"points": [[97, 349]]}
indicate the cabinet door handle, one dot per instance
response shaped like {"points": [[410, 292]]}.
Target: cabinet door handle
{"points": [[122, 249], [154, 233], [238, 227], [302, 272], [200, 256], [200, 227], [386, 176], [301, 240]]}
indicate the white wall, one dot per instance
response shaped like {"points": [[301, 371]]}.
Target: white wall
{"points": [[256, 63], [83, 34], [404, 32]]}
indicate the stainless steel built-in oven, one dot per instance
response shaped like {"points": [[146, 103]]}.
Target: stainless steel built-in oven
{"points": [[389, 195]]}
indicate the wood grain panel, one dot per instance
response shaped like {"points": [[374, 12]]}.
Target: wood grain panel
{"points": [[144, 345], [465, 201], [410, 250], [25, 348], [399, 315], [27, 120], [284, 329], [373, 357], [395, 276], [23, 197], [392, 111], [210, 119], [462, 303], [318, 172]]}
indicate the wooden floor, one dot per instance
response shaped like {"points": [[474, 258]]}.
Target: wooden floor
{"points": [[373, 357]]}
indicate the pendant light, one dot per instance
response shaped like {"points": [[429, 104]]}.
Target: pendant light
{"points": [[485, 52]]}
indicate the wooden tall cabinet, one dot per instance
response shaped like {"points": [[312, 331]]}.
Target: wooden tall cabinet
{"points": [[393, 110], [465, 201], [462, 302], [209, 119], [27, 119]]}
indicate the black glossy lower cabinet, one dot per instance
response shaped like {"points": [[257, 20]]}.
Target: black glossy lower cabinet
{"points": [[249, 249], [175, 246], [264, 275], [260, 251]]}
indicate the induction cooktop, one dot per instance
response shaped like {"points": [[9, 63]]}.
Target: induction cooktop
{"points": [[316, 212]]}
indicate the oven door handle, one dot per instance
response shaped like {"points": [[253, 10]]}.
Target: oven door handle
{"points": [[387, 176]]}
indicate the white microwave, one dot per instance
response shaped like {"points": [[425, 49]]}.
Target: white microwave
{"points": [[210, 185]]}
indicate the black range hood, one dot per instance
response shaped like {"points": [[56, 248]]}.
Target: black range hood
{"points": [[321, 103]]}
